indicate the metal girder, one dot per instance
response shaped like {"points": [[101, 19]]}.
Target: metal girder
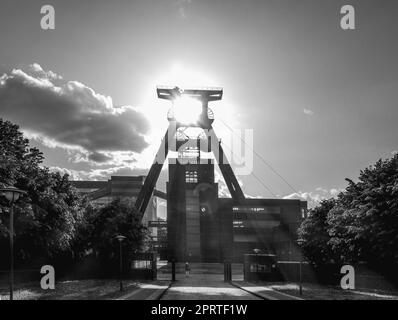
{"points": [[150, 181], [226, 170], [230, 179], [160, 194], [168, 142], [203, 94]]}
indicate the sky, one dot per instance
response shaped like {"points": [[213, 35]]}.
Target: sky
{"points": [[321, 101]]}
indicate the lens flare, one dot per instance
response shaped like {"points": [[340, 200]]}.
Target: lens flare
{"points": [[187, 110]]}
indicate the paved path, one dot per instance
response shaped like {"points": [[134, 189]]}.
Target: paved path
{"points": [[205, 287], [147, 291], [264, 291]]}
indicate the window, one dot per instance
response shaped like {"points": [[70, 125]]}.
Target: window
{"points": [[141, 264], [264, 268], [191, 176], [237, 224], [260, 268], [256, 209]]}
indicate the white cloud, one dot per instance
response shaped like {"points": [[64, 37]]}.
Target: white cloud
{"points": [[223, 191], [73, 174], [308, 112], [314, 198], [70, 115], [182, 4], [101, 173]]}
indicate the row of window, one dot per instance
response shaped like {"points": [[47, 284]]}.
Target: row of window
{"points": [[191, 176]]}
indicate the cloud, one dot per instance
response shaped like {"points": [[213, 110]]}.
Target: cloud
{"points": [[99, 157], [306, 196], [73, 174], [100, 174], [314, 198], [223, 191], [181, 4], [70, 115], [308, 112]]}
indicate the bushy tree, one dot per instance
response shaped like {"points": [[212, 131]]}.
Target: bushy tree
{"points": [[47, 216], [314, 232], [52, 220], [366, 222], [345, 236], [104, 223], [361, 225]]}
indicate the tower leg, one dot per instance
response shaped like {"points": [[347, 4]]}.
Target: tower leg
{"points": [[146, 191], [226, 170]]}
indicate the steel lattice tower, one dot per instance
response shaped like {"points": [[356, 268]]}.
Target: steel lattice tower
{"points": [[173, 141]]}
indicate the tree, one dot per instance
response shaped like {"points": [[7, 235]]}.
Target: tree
{"points": [[104, 223], [46, 218], [365, 226], [18, 162], [361, 225], [314, 232]]}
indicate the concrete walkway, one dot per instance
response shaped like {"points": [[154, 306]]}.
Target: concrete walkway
{"points": [[205, 287], [263, 291], [147, 291]]}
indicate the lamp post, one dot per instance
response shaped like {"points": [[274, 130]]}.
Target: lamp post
{"points": [[12, 194], [256, 251], [120, 238], [300, 242]]}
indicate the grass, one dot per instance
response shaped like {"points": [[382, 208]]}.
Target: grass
{"points": [[71, 290], [320, 292]]}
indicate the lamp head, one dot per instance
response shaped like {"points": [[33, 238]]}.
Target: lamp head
{"points": [[120, 238], [12, 194]]}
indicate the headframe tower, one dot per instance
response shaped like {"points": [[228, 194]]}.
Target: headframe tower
{"points": [[172, 140]]}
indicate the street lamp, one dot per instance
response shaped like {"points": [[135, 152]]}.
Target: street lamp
{"points": [[300, 242], [120, 238], [12, 194]]}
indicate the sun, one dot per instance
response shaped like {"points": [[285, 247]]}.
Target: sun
{"points": [[176, 75], [186, 110], [184, 76]]}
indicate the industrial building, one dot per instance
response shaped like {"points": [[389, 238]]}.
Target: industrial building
{"points": [[102, 192], [201, 227]]}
